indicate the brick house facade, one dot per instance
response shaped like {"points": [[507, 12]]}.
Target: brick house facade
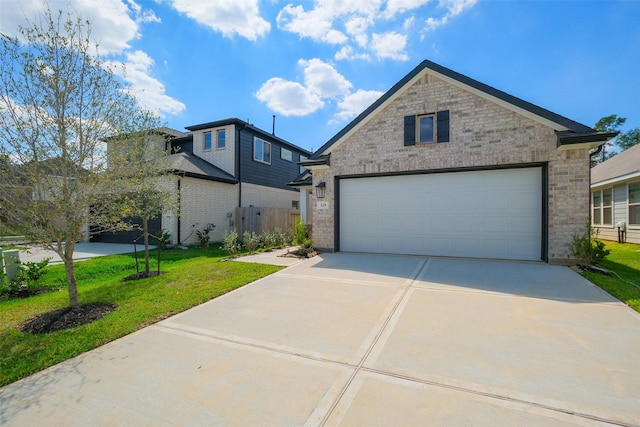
{"points": [[485, 130]]}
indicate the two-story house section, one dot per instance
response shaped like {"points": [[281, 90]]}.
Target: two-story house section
{"points": [[262, 163], [225, 164], [219, 166]]}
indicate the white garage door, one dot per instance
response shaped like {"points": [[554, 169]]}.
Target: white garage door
{"points": [[478, 214]]}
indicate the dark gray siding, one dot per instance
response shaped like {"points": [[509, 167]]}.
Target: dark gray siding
{"points": [[277, 174]]}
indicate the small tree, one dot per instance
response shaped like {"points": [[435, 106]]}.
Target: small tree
{"points": [[59, 102], [586, 248]]}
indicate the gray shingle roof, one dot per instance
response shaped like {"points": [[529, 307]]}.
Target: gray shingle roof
{"points": [[195, 167], [619, 166]]}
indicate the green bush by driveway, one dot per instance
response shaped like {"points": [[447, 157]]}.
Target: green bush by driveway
{"points": [[191, 277]]}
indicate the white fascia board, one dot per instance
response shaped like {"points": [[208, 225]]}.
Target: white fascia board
{"points": [[616, 180]]}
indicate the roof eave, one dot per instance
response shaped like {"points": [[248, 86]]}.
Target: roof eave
{"points": [[574, 141]]}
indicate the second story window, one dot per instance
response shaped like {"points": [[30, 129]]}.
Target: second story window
{"points": [[221, 139], [286, 154], [206, 145], [261, 151], [302, 158]]}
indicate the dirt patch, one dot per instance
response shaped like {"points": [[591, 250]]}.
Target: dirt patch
{"points": [[141, 275], [66, 318]]}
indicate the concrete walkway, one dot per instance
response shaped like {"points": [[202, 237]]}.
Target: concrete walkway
{"points": [[83, 251], [361, 340]]}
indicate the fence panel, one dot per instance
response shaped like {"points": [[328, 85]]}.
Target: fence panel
{"points": [[256, 219]]}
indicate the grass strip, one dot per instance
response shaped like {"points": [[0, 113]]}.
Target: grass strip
{"points": [[190, 277]]}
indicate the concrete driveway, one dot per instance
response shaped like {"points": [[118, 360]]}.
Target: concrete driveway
{"points": [[361, 340]]}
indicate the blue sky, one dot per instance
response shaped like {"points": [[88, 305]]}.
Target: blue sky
{"points": [[317, 64]]}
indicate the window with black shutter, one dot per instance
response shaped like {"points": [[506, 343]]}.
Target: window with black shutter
{"points": [[426, 128]]}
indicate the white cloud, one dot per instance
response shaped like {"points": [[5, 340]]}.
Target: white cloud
{"points": [[241, 17], [454, 8], [112, 27], [321, 78], [288, 98], [149, 91], [322, 83], [346, 52], [365, 29], [114, 24], [390, 45], [395, 7], [315, 24], [356, 103]]}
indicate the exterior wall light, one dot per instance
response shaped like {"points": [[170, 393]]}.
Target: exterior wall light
{"points": [[320, 190]]}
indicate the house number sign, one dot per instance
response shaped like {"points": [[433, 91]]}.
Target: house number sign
{"points": [[323, 205]]}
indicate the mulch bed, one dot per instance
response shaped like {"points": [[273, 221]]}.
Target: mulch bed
{"points": [[66, 318], [300, 254]]}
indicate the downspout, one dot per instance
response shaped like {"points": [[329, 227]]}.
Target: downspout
{"points": [[179, 209], [238, 165]]}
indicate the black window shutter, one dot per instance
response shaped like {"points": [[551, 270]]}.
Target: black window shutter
{"points": [[409, 130], [442, 118]]}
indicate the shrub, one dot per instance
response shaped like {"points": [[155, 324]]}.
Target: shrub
{"points": [[230, 243], [203, 237], [301, 236], [269, 239], [251, 241], [29, 276], [163, 239], [586, 248]]}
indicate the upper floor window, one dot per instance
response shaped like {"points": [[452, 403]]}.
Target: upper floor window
{"points": [[221, 139], [206, 144], [261, 151], [426, 128], [634, 203], [302, 158], [286, 154], [601, 205]]}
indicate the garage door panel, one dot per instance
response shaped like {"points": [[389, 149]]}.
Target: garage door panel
{"points": [[485, 214]]}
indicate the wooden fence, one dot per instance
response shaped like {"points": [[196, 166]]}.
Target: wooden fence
{"points": [[256, 219]]}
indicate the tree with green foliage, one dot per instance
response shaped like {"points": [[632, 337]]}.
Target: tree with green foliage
{"points": [[59, 102], [625, 140]]}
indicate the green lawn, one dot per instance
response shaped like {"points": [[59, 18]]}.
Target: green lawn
{"points": [[192, 277], [624, 260]]}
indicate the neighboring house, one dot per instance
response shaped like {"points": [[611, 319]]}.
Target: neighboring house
{"points": [[219, 166], [615, 196], [444, 165]]}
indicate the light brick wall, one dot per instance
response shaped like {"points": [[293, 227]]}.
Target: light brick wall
{"points": [[267, 197], [222, 158], [203, 202], [482, 133]]}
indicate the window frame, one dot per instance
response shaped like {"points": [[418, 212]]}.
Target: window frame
{"points": [[601, 209], [255, 151], [301, 159], [289, 158], [204, 141], [630, 205], [434, 128], [224, 140]]}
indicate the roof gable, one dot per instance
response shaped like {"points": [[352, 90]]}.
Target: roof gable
{"points": [[539, 114], [618, 168]]}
